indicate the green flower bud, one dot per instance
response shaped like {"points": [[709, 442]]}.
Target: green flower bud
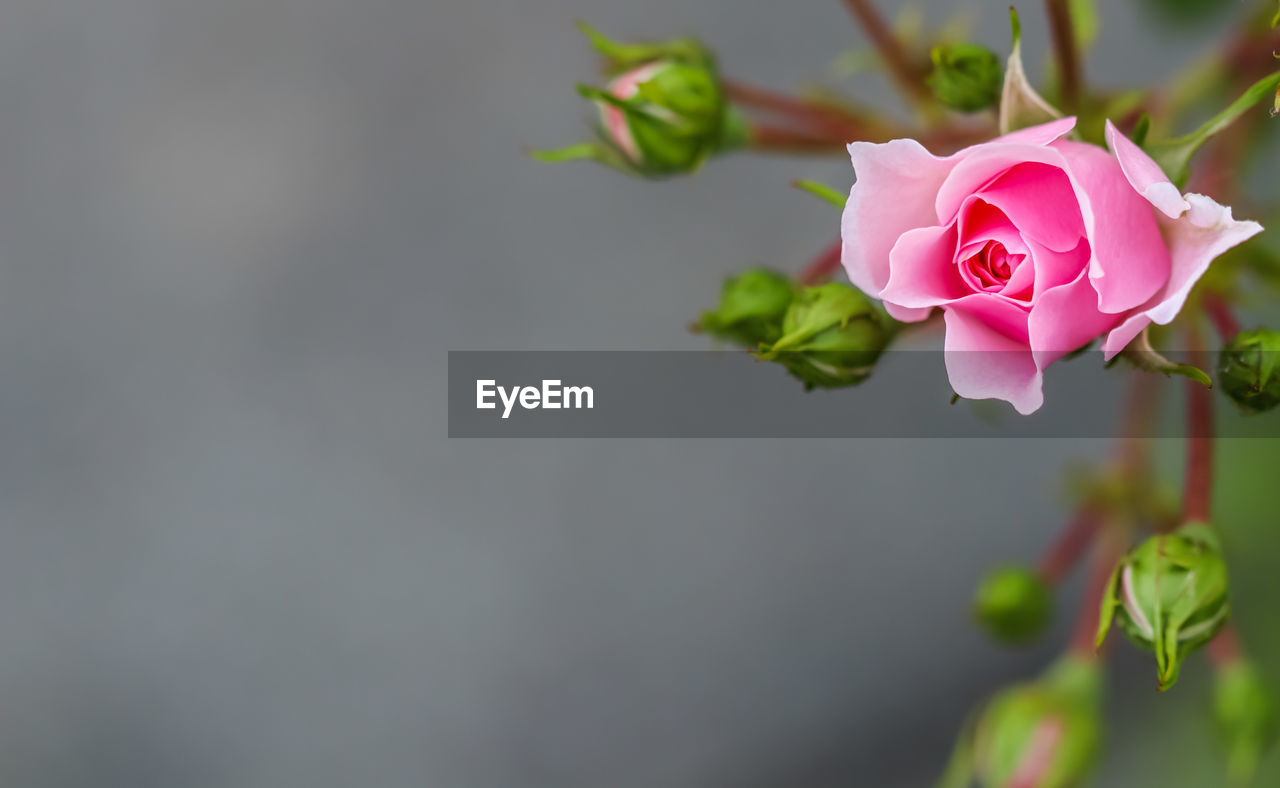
{"points": [[1247, 369], [832, 335], [1045, 733], [1244, 708], [1169, 595], [662, 112], [752, 305], [967, 77], [1013, 604]]}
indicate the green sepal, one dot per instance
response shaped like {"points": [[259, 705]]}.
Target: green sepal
{"points": [[751, 308], [1107, 612], [832, 336], [1020, 105], [1247, 370], [620, 57], [1142, 355], [1174, 155]]}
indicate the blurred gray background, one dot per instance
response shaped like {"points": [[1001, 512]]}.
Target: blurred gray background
{"points": [[236, 547]]}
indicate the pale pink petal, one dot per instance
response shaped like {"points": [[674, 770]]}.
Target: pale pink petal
{"points": [[1194, 239], [1145, 176], [983, 362], [1043, 134], [894, 191], [978, 222], [922, 271], [1130, 261]]}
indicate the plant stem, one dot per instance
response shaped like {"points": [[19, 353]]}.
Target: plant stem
{"points": [[774, 138], [821, 117], [1226, 648], [908, 75], [1065, 49], [1219, 312], [1197, 500], [1072, 543], [823, 266]]}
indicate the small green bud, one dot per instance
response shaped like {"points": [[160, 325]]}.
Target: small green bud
{"points": [[1013, 604], [752, 305], [832, 335], [1244, 708], [1045, 733], [1247, 369], [662, 112], [967, 77], [1169, 595]]}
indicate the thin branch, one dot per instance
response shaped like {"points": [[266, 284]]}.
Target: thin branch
{"points": [[776, 139], [1197, 500], [908, 74], [1226, 648], [1219, 311], [1072, 543], [823, 266], [1066, 51]]}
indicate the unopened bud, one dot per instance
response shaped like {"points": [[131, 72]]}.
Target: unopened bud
{"points": [[751, 309], [1247, 369], [1169, 596], [1013, 604], [967, 77], [1045, 733], [662, 112], [832, 335], [1244, 708]]}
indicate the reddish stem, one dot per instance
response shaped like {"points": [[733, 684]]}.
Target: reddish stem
{"points": [[823, 266], [1072, 543], [1064, 47], [1219, 312], [1226, 648], [908, 75], [773, 138], [1196, 502], [820, 117]]}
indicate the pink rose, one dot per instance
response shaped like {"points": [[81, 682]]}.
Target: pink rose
{"points": [[1032, 245]]}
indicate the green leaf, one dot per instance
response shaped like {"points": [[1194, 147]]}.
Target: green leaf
{"points": [[1174, 156], [822, 192]]}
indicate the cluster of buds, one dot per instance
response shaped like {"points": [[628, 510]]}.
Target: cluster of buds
{"points": [[1045, 733], [662, 110], [1169, 596], [827, 336]]}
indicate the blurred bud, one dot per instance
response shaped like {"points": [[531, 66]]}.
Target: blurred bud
{"points": [[752, 305], [967, 77], [832, 335], [1244, 708], [1247, 369], [662, 112], [1169, 595], [1013, 604], [1045, 733]]}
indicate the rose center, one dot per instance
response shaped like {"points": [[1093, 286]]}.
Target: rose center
{"points": [[991, 268]]}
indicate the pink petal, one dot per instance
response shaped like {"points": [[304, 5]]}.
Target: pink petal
{"points": [[982, 165], [1040, 201], [1043, 134], [1065, 318], [1054, 269], [1194, 239], [984, 362], [1145, 176], [1130, 261], [922, 274], [896, 184]]}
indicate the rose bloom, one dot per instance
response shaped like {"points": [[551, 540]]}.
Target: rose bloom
{"points": [[1031, 244]]}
